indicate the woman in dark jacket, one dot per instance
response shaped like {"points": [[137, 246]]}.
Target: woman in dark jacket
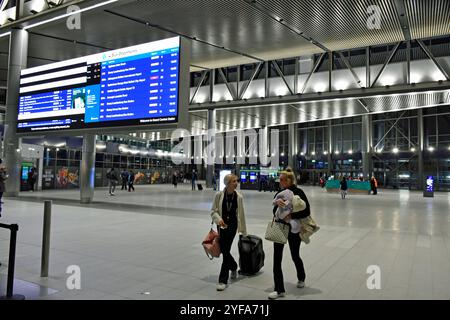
{"points": [[287, 181]]}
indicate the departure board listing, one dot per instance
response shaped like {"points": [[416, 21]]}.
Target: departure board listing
{"points": [[132, 86]]}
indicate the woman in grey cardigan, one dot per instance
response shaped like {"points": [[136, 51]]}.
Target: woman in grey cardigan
{"points": [[228, 213]]}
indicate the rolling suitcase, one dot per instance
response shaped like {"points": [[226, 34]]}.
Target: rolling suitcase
{"points": [[251, 255], [199, 186]]}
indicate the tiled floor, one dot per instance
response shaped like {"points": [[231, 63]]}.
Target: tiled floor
{"points": [[149, 242]]}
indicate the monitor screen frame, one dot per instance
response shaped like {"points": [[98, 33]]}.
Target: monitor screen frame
{"points": [[182, 103]]}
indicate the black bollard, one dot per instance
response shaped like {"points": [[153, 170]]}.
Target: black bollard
{"points": [[11, 264]]}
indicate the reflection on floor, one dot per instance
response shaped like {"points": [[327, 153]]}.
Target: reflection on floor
{"points": [[146, 245]]}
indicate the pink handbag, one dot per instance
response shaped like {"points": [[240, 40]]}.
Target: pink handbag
{"points": [[211, 244]]}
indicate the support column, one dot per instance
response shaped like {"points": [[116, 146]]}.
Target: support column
{"points": [[211, 148], [87, 176], [240, 151], [366, 144], [18, 51], [420, 134], [293, 146], [330, 149]]}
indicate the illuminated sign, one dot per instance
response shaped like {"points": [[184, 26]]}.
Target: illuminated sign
{"points": [[430, 184], [133, 86]]}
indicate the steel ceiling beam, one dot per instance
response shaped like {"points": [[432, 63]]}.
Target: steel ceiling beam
{"points": [[385, 135], [402, 18], [198, 86], [363, 103], [308, 97], [303, 111], [394, 51], [312, 71], [281, 74], [230, 89], [247, 84], [347, 64], [431, 56], [291, 28]]}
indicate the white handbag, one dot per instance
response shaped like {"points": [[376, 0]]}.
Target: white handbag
{"points": [[277, 232]]}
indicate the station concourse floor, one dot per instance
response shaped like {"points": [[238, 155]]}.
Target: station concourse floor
{"points": [[146, 245]]}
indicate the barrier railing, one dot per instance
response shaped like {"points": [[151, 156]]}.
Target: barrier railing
{"points": [[11, 263]]}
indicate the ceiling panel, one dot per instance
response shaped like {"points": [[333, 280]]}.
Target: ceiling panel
{"points": [[411, 100], [57, 50], [271, 115], [128, 33], [428, 18], [339, 24], [233, 24]]}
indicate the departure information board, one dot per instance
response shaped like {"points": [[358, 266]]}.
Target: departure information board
{"points": [[132, 86]]}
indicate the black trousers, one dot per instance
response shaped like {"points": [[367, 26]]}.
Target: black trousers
{"points": [[124, 184], [130, 186], [294, 246], [226, 240]]}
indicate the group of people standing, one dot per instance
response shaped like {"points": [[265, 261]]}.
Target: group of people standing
{"points": [[344, 186], [126, 177], [229, 215]]}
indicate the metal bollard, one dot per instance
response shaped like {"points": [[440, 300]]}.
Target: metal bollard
{"points": [[46, 238]]}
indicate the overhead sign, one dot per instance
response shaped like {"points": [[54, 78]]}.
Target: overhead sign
{"points": [[133, 86]]}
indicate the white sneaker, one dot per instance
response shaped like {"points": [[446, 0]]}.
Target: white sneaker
{"points": [[275, 295], [221, 286], [300, 284], [233, 275]]}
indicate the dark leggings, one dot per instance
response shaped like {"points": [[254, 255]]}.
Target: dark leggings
{"points": [[294, 246], [229, 264]]}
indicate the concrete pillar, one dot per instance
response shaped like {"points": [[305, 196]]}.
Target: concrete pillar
{"points": [[18, 51], [330, 149], [292, 146], [263, 150], [87, 176], [211, 149], [240, 151], [305, 142], [420, 135], [366, 145]]}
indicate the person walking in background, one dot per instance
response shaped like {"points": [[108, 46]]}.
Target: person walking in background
{"points": [[174, 179], [3, 177], [374, 185], [193, 179], [32, 175], [111, 175], [124, 177], [344, 187], [287, 182], [228, 214], [131, 178]]}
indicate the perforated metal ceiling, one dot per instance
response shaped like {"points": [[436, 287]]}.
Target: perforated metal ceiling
{"points": [[339, 24], [243, 118], [233, 32], [229, 23], [428, 18]]}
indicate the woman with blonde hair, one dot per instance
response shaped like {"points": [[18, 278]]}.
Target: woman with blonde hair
{"points": [[228, 214], [288, 182]]}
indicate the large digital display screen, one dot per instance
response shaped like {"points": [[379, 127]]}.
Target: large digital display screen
{"points": [[132, 86]]}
